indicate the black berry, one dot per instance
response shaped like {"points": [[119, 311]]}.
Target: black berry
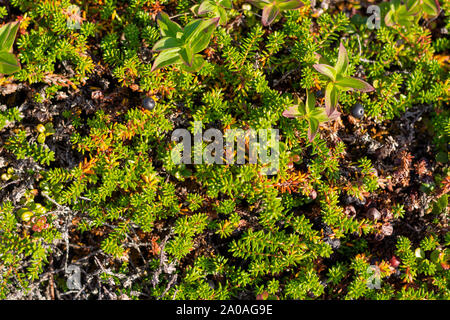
{"points": [[148, 103], [448, 146], [358, 111], [319, 94]]}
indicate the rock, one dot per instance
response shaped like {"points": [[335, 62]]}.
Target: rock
{"points": [[373, 214]]}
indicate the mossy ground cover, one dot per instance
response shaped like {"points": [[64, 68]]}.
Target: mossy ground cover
{"points": [[92, 205]]}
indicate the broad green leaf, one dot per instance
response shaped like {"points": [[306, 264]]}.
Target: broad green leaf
{"points": [[194, 28], [260, 3], [319, 114], [191, 29], [413, 7], [402, 11], [269, 14], [313, 128], [326, 70], [166, 43], [292, 112], [405, 21], [8, 35], [411, 3], [320, 59], [347, 83], [342, 62], [201, 40], [395, 4], [166, 58], [301, 106], [8, 63], [206, 6], [430, 7], [226, 4], [310, 101], [187, 55], [194, 9], [168, 27], [223, 15], [333, 115], [389, 19], [290, 4], [196, 65], [331, 98]]}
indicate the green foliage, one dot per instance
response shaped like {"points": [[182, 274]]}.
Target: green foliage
{"points": [[410, 12], [308, 111], [271, 9], [339, 80], [9, 116], [200, 231], [24, 149], [8, 62], [182, 45], [216, 8]]}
